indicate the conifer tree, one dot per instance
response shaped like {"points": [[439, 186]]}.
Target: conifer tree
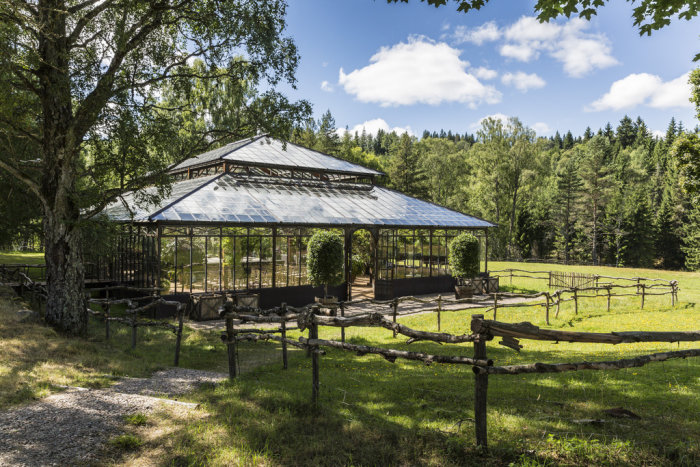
{"points": [[597, 181], [568, 142], [626, 132], [568, 190]]}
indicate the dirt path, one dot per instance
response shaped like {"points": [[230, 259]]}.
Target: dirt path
{"points": [[69, 428]]}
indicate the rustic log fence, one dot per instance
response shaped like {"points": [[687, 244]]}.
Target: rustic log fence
{"points": [[132, 312], [482, 331]]}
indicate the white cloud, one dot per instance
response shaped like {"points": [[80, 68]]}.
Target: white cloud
{"points": [[674, 93], [644, 88], [523, 81], [487, 32], [580, 55], [484, 73], [529, 30], [417, 71], [326, 86], [372, 126], [522, 52], [658, 134], [541, 128], [497, 116], [578, 51]]}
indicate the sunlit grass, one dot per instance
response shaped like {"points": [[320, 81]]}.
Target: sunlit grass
{"points": [[373, 412]]}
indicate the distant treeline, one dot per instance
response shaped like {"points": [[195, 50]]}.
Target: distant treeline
{"points": [[610, 196]]}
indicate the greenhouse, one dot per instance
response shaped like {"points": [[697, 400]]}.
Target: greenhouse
{"points": [[238, 218]]}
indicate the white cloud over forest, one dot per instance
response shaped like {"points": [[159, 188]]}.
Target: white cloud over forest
{"points": [[645, 89], [418, 71]]}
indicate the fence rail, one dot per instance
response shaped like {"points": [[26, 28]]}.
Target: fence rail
{"points": [[482, 331]]}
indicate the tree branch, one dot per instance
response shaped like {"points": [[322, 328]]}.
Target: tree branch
{"points": [[31, 184]]}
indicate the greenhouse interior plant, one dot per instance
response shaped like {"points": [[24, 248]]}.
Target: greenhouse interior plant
{"points": [[464, 262], [325, 263]]}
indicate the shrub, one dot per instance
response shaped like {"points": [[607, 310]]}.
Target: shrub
{"points": [[464, 255], [324, 263], [358, 265]]}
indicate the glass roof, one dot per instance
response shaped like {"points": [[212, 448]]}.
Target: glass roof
{"points": [[230, 199], [269, 152]]}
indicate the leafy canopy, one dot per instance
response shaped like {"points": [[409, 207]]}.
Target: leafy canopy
{"points": [[324, 262], [649, 15], [464, 255]]}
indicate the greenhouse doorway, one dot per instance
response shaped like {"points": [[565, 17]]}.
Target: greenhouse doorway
{"points": [[362, 264]]}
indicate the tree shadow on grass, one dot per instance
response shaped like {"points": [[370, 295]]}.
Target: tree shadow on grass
{"points": [[372, 412]]}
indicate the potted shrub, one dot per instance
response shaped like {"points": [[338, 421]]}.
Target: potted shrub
{"points": [[464, 262], [324, 262]]}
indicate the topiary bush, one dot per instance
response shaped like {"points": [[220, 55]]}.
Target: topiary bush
{"points": [[324, 261], [464, 256]]}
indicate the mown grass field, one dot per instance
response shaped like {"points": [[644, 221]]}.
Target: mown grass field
{"points": [[373, 412]]}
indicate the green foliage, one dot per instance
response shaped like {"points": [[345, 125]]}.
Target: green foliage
{"points": [[358, 265], [137, 419], [324, 261], [649, 15], [126, 442], [464, 255]]}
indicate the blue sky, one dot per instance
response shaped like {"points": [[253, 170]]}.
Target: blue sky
{"points": [[413, 66]]}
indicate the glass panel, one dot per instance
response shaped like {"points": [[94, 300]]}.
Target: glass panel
{"points": [[213, 264], [183, 264], [198, 245], [167, 264]]}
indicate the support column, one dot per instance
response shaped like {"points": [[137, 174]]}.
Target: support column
{"points": [[274, 257], [486, 250], [348, 263], [375, 257]]}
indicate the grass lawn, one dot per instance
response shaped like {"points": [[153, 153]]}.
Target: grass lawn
{"points": [[373, 412], [19, 257]]}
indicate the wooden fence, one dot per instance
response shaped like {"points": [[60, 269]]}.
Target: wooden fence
{"points": [[133, 310], [482, 331]]}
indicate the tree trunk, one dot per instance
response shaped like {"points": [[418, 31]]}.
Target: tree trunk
{"points": [[65, 306], [514, 203], [595, 234]]}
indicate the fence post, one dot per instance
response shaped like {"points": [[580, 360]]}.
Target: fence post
{"points": [[481, 385], [180, 319], [596, 285], [673, 293], [395, 307], [511, 277], [134, 328], [439, 308], [643, 288], [638, 285], [575, 301], [106, 308], [609, 293], [313, 334], [283, 327], [231, 347], [546, 297], [495, 305], [342, 328], [550, 279]]}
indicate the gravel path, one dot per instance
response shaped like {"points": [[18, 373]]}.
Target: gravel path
{"points": [[70, 427]]}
